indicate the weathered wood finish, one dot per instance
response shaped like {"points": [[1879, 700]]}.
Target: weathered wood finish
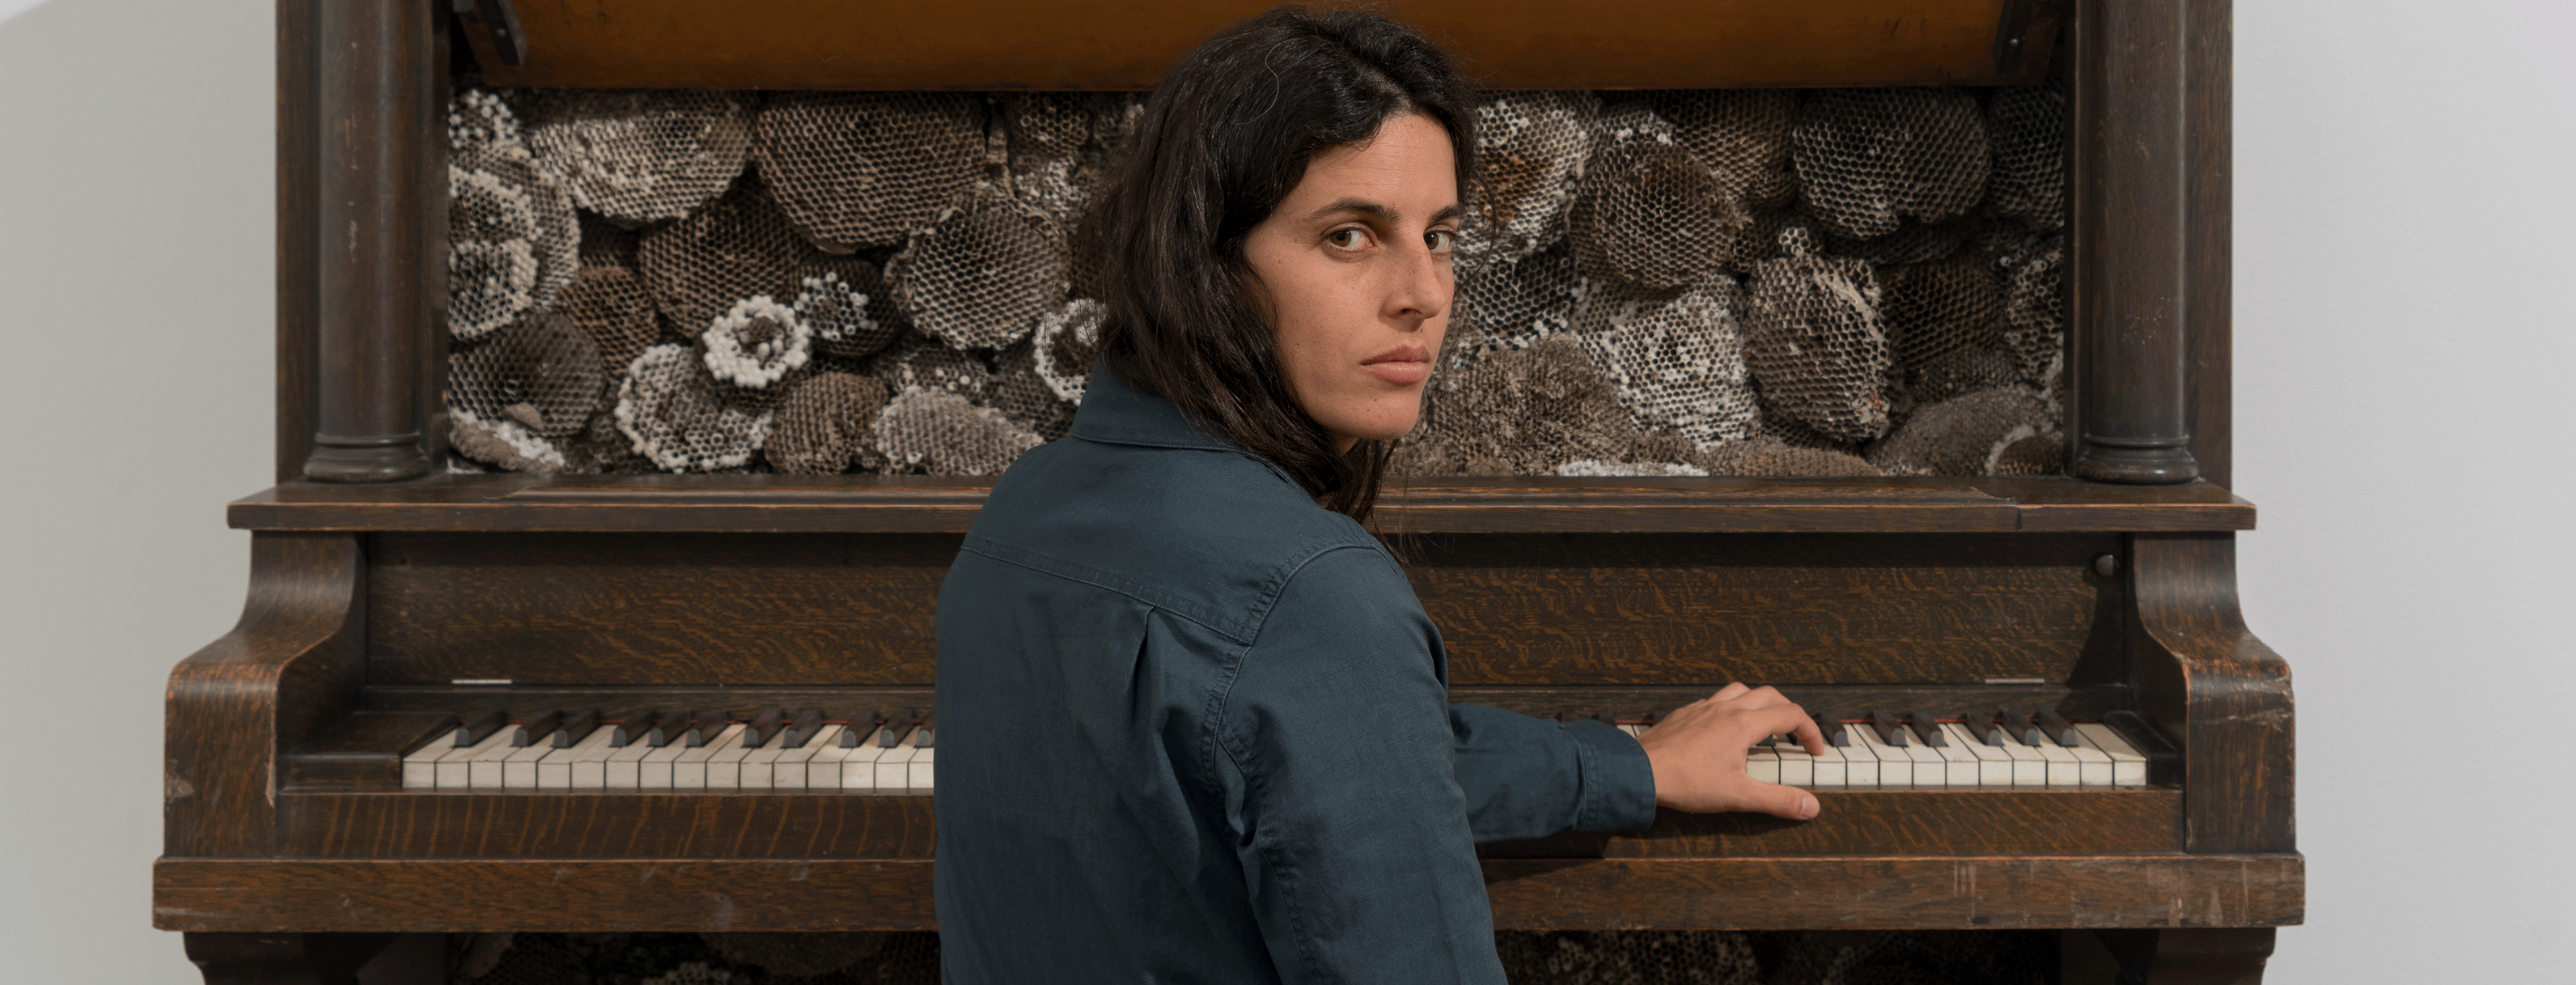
{"points": [[236, 706], [2209, 279], [378, 83], [1504, 44], [609, 609], [299, 226], [1887, 892], [1472, 505], [1617, 609], [2129, 191], [2234, 713], [399, 824]]}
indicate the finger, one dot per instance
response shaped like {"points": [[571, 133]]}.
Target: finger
{"points": [[1778, 801], [1729, 691], [1789, 719]]}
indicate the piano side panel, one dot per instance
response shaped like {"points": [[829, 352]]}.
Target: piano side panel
{"points": [[234, 707], [593, 609], [1619, 609], [2225, 694]]}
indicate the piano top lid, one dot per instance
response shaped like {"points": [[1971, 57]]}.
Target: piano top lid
{"points": [[1048, 44], [1492, 504]]}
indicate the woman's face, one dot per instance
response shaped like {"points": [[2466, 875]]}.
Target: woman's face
{"points": [[1355, 262]]}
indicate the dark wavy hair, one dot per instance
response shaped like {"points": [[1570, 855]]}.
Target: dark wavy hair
{"points": [[1224, 139]]}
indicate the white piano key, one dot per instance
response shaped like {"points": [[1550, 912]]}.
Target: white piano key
{"points": [[1860, 760], [2029, 768], [789, 772], [483, 769], [1634, 730], [760, 766], [1895, 766], [590, 758], [1797, 769], [557, 770], [918, 775], [2090, 763], [1832, 770], [1958, 765], [859, 766], [823, 772], [689, 772], [892, 771], [2064, 770], [450, 773], [1762, 765], [420, 766], [1994, 767], [724, 769], [2128, 766], [519, 769], [654, 771], [624, 767]]}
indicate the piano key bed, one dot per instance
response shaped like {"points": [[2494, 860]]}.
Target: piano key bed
{"points": [[803, 750]]}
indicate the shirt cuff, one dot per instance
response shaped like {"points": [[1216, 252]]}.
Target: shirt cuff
{"points": [[1618, 782]]}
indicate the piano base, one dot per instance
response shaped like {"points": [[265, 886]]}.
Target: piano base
{"points": [[2170, 956], [1843, 892], [282, 958]]}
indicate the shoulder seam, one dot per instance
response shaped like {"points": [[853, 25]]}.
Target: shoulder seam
{"points": [[1101, 578]]}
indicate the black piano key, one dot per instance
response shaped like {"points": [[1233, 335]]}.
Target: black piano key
{"points": [[802, 729], [577, 728], [2017, 724], [2056, 728], [1928, 725], [1890, 730], [636, 728], [861, 730], [481, 727], [1604, 718], [926, 731], [1831, 725], [705, 724], [536, 730], [764, 728], [1981, 727], [891, 735]]}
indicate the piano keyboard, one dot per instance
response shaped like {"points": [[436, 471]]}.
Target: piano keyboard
{"points": [[677, 750], [681, 750], [2009, 749]]}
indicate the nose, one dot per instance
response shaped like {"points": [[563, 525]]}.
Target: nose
{"points": [[1420, 285]]}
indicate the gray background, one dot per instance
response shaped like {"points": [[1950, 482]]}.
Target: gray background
{"points": [[2403, 218]]}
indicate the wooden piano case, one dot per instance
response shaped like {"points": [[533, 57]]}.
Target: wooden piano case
{"points": [[377, 586]]}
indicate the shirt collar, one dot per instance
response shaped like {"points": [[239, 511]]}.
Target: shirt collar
{"points": [[1114, 412]]}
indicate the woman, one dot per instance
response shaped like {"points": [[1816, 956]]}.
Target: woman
{"points": [[1194, 723]]}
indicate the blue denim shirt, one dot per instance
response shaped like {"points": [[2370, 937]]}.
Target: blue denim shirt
{"points": [[1195, 728]]}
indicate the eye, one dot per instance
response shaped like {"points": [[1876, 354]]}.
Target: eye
{"points": [[1347, 238], [1441, 240]]}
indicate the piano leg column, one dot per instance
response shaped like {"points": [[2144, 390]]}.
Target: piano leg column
{"points": [[2177, 956], [282, 959]]}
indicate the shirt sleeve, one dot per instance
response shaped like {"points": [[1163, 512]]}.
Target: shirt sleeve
{"points": [[1335, 753], [1526, 777]]}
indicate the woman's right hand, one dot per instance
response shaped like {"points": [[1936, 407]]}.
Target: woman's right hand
{"points": [[1698, 753]]}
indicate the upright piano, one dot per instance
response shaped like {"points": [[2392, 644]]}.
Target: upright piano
{"points": [[462, 703]]}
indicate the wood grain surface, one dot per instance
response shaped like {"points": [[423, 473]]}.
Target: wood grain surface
{"points": [[1018, 44], [878, 894], [1493, 504]]}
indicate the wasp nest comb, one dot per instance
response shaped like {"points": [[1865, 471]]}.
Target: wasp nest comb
{"points": [[639, 156], [513, 241], [983, 274], [1065, 343], [677, 417], [1530, 149], [541, 373], [1869, 158], [1677, 360], [1975, 434], [940, 433], [861, 169], [1817, 344], [825, 426]]}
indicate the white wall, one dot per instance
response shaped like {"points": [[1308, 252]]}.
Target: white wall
{"points": [[2403, 214]]}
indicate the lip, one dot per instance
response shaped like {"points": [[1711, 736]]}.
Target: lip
{"points": [[1402, 365]]}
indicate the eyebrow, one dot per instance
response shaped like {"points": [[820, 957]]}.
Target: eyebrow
{"points": [[1383, 213]]}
